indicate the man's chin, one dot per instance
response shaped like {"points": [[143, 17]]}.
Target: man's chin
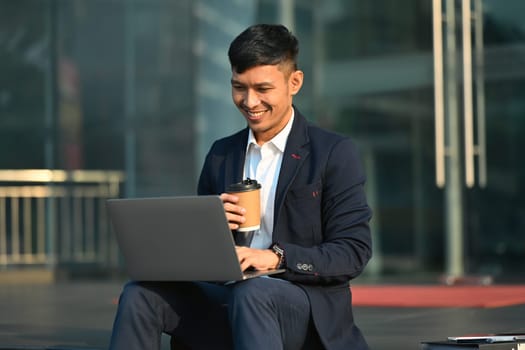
{"points": [[256, 128]]}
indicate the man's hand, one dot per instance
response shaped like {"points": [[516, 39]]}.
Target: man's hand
{"points": [[259, 259], [234, 213]]}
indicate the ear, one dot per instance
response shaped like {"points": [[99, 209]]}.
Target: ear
{"points": [[296, 81]]}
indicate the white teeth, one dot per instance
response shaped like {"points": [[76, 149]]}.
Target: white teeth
{"points": [[255, 114]]}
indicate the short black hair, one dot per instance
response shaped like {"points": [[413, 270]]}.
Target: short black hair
{"points": [[263, 44]]}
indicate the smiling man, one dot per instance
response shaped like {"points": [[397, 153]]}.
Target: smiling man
{"points": [[314, 224]]}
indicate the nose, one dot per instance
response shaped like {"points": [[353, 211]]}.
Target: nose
{"points": [[251, 99]]}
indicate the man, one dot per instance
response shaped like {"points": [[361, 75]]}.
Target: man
{"points": [[314, 224]]}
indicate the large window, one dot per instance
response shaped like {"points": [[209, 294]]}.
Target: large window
{"points": [[142, 86]]}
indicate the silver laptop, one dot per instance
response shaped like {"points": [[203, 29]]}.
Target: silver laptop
{"points": [[177, 239]]}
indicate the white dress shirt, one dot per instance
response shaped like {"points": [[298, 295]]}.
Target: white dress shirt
{"points": [[263, 163]]}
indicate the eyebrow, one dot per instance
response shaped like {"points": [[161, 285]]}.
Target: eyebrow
{"points": [[258, 85]]}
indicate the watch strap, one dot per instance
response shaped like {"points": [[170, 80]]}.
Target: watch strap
{"points": [[279, 251]]}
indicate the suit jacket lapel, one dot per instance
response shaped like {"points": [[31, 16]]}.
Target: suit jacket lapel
{"points": [[296, 152]]}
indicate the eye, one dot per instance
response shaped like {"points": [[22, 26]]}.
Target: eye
{"points": [[238, 87]]}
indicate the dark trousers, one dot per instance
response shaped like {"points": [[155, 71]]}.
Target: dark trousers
{"points": [[260, 313]]}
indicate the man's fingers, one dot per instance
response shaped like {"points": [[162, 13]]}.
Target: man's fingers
{"points": [[233, 226], [235, 218], [234, 213], [232, 208], [260, 259], [229, 198]]}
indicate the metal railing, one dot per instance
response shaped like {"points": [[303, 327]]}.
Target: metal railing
{"points": [[57, 217]]}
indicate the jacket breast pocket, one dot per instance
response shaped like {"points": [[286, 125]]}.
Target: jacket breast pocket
{"points": [[308, 192]]}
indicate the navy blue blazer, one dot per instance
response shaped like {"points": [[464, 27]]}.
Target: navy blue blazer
{"points": [[321, 219]]}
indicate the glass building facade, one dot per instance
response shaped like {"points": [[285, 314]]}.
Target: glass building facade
{"points": [[432, 91]]}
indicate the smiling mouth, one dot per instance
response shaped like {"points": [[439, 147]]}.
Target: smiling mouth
{"points": [[254, 114]]}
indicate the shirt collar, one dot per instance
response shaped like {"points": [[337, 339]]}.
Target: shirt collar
{"points": [[278, 140]]}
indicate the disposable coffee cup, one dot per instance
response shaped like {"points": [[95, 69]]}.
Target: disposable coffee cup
{"points": [[249, 193]]}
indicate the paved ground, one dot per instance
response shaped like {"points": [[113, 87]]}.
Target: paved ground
{"points": [[79, 315], [71, 314], [75, 315]]}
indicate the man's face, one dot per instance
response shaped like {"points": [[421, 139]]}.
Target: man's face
{"points": [[264, 96]]}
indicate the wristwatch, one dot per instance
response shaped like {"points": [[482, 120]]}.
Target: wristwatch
{"points": [[280, 253]]}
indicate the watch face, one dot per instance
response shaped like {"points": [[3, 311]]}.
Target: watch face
{"points": [[278, 250]]}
